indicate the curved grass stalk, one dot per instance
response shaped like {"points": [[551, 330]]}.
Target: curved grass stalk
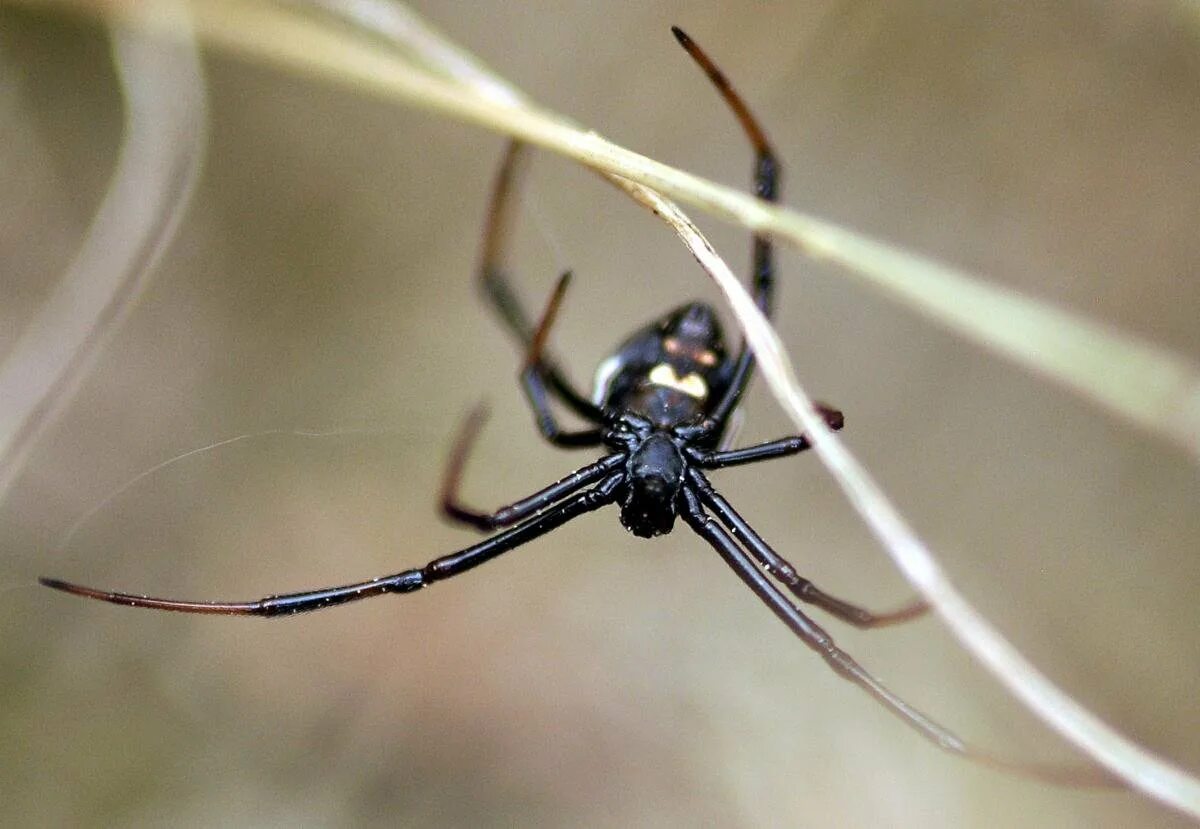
{"points": [[161, 148], [1143, 384]]}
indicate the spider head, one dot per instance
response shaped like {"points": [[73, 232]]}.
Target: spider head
{"points": [[654, 476]]}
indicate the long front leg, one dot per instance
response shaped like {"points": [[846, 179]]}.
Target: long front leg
{"points": [[404, 582], [780, 568], [498, 290]]}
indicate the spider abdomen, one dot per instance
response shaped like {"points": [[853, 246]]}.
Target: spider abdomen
{"points": [[670, 372]]}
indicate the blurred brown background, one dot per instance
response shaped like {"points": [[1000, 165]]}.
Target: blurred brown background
{"points": [[323, 279]]}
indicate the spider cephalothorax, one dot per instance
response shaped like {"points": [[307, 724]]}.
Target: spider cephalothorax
{"points": [[653, 481]]}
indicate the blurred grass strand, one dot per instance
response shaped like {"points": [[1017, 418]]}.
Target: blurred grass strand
{"points": [[1152, 387], [161, 148], [399, 26]]}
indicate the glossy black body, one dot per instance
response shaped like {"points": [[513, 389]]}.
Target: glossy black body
{"points": [[659, 385]]}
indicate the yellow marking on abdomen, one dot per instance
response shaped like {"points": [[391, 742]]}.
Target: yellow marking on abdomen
{"points": [[692, 385]]}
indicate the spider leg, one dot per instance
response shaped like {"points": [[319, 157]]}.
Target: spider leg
{"points": [[493, 278], [763, 451], [766, 187], [506, 516], [533, 380], [404, 582], [809, 631], [845, 666], [782, 570], [733, 428]]}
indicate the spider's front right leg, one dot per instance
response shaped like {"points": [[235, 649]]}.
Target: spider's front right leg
{"points": [[406, 581]]}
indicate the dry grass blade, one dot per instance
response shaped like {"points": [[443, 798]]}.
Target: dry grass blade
{"points": [[1145, 384], [162, 145]]}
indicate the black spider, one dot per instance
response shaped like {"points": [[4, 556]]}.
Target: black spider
{"points": [[661, 405]]}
